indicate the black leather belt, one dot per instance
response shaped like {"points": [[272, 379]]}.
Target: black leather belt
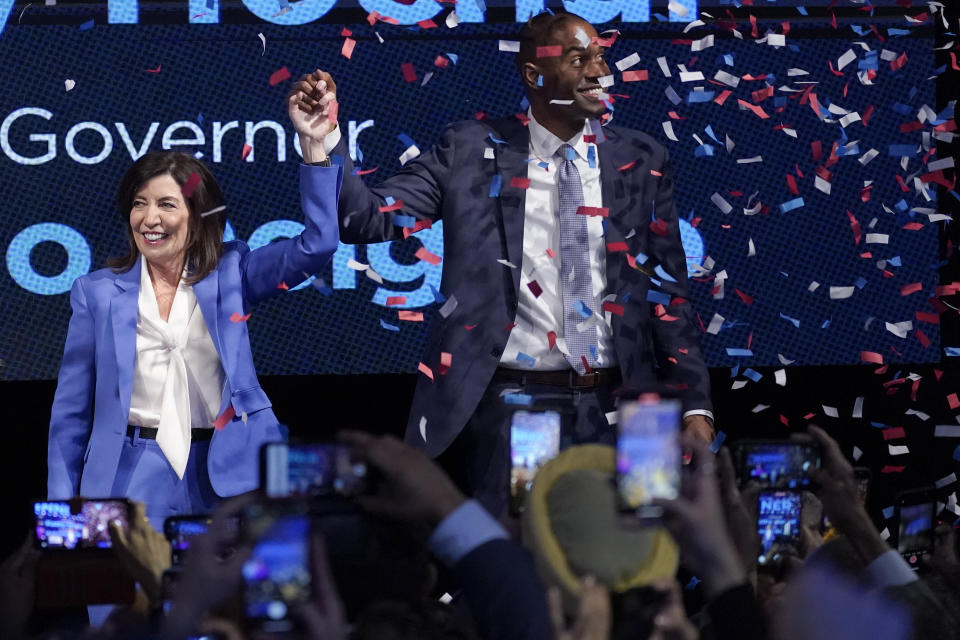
{"points": [[150, 433], [568, 378]]}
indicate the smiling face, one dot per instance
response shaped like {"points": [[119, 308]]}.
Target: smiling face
{"points": [[573, 75], [160, 222]]}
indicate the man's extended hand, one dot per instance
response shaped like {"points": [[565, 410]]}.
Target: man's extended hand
{"points": [[312, 107], [414, 487], [143, 551], [698, 426]]}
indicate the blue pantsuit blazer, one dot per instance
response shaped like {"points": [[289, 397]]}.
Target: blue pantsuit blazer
{"points": [[88, 419]]}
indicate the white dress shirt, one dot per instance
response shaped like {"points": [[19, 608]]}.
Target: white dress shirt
{"points": [[537, 315], [177, 379]]}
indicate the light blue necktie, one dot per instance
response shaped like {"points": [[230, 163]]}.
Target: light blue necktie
{"points": [[574, 257]]}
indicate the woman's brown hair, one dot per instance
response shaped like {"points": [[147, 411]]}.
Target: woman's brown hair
{"points": [[204, 232]]}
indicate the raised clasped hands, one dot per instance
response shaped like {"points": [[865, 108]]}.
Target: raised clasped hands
{"points": [[312, 107]]}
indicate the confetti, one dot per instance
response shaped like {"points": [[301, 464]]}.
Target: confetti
{"points": [[347, 49], [69, 84], [278, 76], [410, 316], [425, 370], [191, 185], [549, 51], [638, 75], [512, 46], [396, 300], [263, 42], [409, 73], [213, 211], [389, 327], [238, 317], [603, 212], [625, 63], [423, 254]]}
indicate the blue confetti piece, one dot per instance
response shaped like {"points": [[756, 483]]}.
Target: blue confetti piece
{"points": [[879, 425], [336, 159], [200, 118], [672, 95], [406, 140], [660, 271], [802, 10], [951, 352], [401, 220], [582, 310], [524, 359], [728, 59], [593, 353], [543, 165], [896, 376], [902, 109], [826, 323], [495, 186], [521, 399], [656, 282], [888, 512], [389, 200], [86, 26], [592, 157], [571, 153], [524, 104], [641, 258], [900, 150], [792, 321], [893, 31], [389, 327], [956, 453], [734, 370], [322, 287], [860, 283], [718, 441], [753, 375], [895, 261], [453, 57], [703, 151], [709, 131], [694, 581], [745, 353], [698, 97], [657, 297], [439, 297], [626, 297], [494, 139], [858, 29], [539, 81], [790, 205]]}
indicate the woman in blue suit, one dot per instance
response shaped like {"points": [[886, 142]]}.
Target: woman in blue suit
{"points": [[157, 398]]}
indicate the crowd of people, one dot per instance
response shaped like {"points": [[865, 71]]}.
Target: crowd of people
{"points": [[413, 557]]}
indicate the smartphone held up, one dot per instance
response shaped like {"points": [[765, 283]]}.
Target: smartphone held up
{"points": [[649, 456]]}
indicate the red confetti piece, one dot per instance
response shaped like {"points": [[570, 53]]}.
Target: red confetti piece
{"points": [[628, 166], [441, 62], [747, 299], [953, 61], [396, 300], [614, 247], [520, 183], [756, 109], [922, 338], [470, 327], [871, 357], [816, 148], [899, 63], [427, 24], [913, 226], [237, 317], [913, 287], [224, 418], [784, 420], [551, 253], [636, 75], [932, 318], [372, 17], [659, 227], [656, 173], [889, 468], [411, 316], [792, 185], [606, 43], [425, 370], [157, 70], [866, 115], [409, 74], [279, 76], [615, 309], [283, 285], [363, 172], [510, 326], [246, 151], [603, 212], [952, 401], [855, 227], [392, 207], [586, 366], [346, 32], [720, 99], [191, 185], [809, 415], [423, 254], [549, 52], [893, 433], [347, 49], [552, 339]]}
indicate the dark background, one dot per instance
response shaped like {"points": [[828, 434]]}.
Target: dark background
{"points": [[316, 405]]}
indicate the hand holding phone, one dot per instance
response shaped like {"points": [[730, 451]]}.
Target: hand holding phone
{"points": [[648, 455], [915, 513], [311, 469], [534, 440], [778, 525], [779, 464], [79, 523]]}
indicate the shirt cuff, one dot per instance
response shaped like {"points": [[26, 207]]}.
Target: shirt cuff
{"points": [[890, 570], [466, 528], [331, 140], [699, 412]]}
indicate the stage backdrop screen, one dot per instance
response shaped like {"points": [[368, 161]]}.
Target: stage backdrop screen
{"points": [[804, 154]]}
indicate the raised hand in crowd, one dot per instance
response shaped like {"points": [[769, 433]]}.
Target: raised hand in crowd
{"points": [[322, 617], [414, 488], [672, 623], [143, 551], [312, 106], [594, 616], [741, 523]]}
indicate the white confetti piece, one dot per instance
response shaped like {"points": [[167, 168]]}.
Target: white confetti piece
{"points": [[841, 293], [900, 329], [69, 84], [857, 453], [777, 40], [716, 322], [629, 61], [452, 20], [488, 153], [752, 160], [356, 266], [721, 203], [830, 411], [920, 414], [423, 428], [693, 25], [222, 207], [821, 185], [868, 156], [703, 43], [797, 72], [668, 129], [846, 59], [677, 8], [373, 275], [751, 249], [780, 376], [691, 76], [448, 307], [760, 407], [813, 286], [858, 408], [662, 61], [263, 42], [409, 154], [946, 431], [898, 450], [877, 238], [939, 165], [738, 384], [507, 263], [510, 46], [783, 360], [727, 78], [885, 534], [946, 480], [605, 81], [849, 119], [561, 102]]}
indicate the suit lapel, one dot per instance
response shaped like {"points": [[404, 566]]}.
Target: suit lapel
{"points": [[614, 189], [207, 291], [512, 163], [124, 307]]}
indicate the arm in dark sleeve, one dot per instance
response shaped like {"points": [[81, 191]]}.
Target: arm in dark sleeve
{"points": [[419, 186], [676, 338], [504, 594]]}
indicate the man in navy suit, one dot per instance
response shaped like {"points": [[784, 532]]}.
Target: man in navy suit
{"points": [[562, 252]]}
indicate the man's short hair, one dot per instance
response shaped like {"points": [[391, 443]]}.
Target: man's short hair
{"points": [[537, 32]]}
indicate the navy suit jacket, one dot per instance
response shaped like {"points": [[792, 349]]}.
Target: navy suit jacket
{"points": [[452, 182], [88, 419]]}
